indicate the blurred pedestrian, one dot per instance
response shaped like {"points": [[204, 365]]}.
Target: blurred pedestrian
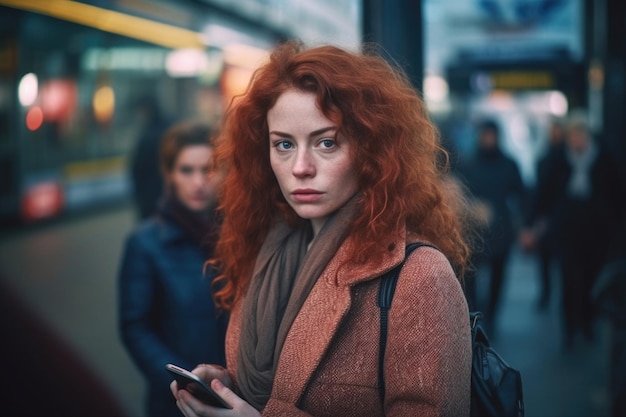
{"points": [[547, 244], [495, 185], [582, 192], [333, 167], [166, 312], [145, 175], [609, 298]]}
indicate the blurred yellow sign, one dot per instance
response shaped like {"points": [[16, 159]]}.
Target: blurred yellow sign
{"points": [[522, 80]]}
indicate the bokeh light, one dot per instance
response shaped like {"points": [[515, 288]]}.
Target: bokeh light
{"points": [[34, 118], [28, 89], [104, 104]]}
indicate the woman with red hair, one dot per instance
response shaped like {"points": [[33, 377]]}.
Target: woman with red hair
{"points": [[333, 167]]}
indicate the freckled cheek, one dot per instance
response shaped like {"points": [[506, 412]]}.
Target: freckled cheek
{"points": [[283, 187], [281, 172], [278, 174], [349, 178]]}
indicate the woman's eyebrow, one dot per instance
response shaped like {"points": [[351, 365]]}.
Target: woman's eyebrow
{"points": [[322, 130], [313, 133]]}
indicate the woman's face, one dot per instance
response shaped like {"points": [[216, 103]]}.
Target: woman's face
{"points": [[577, 139], [488, 139], [190, 179], [313, 165]]}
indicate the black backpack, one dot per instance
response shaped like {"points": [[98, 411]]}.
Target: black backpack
{"points": [[496, 386]]}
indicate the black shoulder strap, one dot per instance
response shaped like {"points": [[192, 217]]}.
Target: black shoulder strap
{"points": [[385, 296]]}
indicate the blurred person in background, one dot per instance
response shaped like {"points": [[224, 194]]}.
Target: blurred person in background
{"points": [[546, 245], [166, 311], [145, 174], [582, 192], [609, 298], [332, 169], [495, 186]]}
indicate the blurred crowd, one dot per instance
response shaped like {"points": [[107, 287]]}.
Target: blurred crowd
{"points": [[573, 219]]}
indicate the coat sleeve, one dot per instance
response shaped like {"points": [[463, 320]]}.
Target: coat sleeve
{"points": [[428, 357], [138, 312], [278, 408]]}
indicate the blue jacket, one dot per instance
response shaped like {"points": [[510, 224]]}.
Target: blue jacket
{"points": [[166, 311]]}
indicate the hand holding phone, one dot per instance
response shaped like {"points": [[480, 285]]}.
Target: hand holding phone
{"points": [[196, 386]]}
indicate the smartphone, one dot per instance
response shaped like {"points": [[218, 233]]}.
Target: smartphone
{"points": [[196, 386]]}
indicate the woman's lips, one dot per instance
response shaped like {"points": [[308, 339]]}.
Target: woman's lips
{"points": [[306, 196]]}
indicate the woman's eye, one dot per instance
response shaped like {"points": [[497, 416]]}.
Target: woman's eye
{"points": [[327, 143], [284, 145], [185, 170]]}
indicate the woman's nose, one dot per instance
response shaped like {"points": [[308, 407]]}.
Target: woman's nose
{"points": [[304, 164], [199, 178]]}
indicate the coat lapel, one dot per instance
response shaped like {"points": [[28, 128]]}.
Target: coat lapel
{"points": [[319, 319], [309, 337]]}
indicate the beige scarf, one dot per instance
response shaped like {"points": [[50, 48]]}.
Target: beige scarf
{"points": [[284, 274]]}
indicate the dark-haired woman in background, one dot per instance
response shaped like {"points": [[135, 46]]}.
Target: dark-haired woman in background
{"points": [[166, 312]]}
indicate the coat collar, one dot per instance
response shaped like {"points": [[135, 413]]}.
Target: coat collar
{"points": [[322, 313], [169, 232], [351, 273]]}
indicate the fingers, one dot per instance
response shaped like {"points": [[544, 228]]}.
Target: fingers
{"points": [[190, 406], [209, 372], [220, 389], [240, 407]]}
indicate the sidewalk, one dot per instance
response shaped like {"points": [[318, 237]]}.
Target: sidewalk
{"points": [[556, 384], [65, 274]]}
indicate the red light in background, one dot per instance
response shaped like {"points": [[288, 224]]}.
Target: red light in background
{"points": [[34, 118], [58, 99], [42, 201]]}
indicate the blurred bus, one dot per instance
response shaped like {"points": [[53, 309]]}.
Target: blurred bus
{"points": [[70, 73]]}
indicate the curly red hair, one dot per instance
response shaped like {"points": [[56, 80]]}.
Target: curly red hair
{"points": [[400, 169]]}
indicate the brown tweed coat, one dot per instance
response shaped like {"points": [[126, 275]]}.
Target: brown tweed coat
{"points": [[329, 362]]}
